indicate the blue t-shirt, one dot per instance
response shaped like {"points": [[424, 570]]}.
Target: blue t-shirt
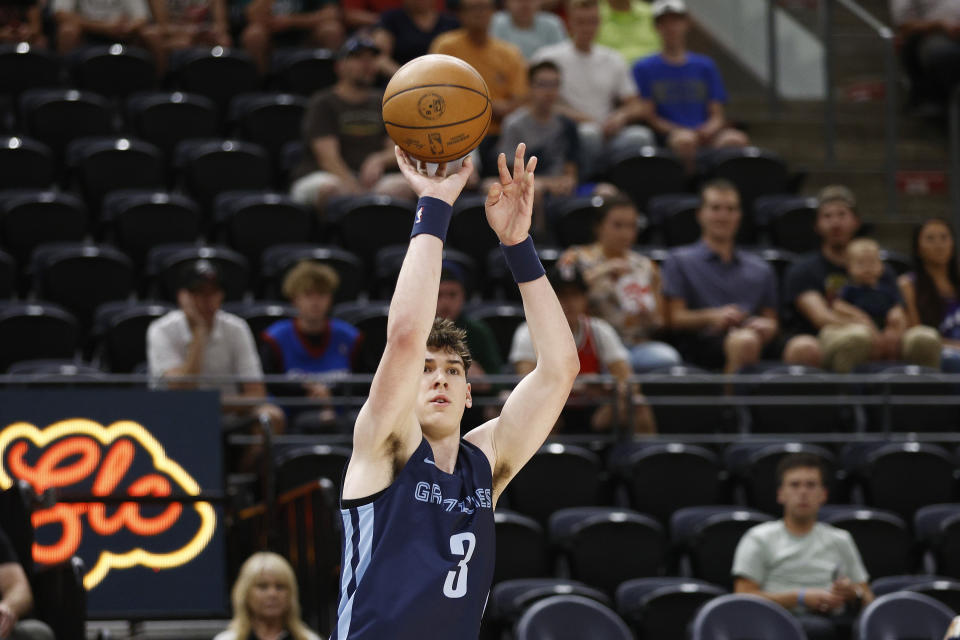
{"points": [[682, 92], [295, 354]]}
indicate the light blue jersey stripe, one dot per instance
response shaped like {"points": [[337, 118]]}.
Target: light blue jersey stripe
{"points": [[345, 606], [366, 539]]}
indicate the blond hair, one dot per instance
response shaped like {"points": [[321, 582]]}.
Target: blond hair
{"points": [[447, 336], [310, 276], [276, 565]]}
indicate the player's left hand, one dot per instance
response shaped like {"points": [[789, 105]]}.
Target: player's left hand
{"points": [[509, 202]]}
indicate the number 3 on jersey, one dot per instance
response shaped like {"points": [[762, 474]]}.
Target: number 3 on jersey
{"points": [[461, 544]]}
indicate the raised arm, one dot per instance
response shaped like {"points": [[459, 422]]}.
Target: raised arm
{"points": [[532, 409]]}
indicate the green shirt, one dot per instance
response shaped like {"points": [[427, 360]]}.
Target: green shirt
{"points": [[630, 33], [482, 344]]}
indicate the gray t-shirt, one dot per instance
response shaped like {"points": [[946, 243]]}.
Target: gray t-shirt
{"points": [[554, 142], [104, 10], [547, 29], [779, 561]]}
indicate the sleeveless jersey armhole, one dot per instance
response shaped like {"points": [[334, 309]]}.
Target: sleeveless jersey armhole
{"points": [[353, 503]]}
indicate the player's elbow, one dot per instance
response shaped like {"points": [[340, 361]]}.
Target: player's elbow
{"points": [[562, 363]]}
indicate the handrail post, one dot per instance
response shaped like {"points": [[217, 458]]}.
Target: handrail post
{"points": [[829, 103], [269, 479], [955, 155], [773, 78], [890, 144]]}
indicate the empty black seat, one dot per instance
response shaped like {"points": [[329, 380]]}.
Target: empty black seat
{"points": [[502, 318], [806, 415], [788, 221], [509, 599], [114, 70], [889, 584], [58, 116], [251, 222], [165, 119], [30, 331], [905, 615], [120, 329], [303, 71], [709, 536], [102, 165], [165, 262], [675, 383], [913, 380], [646, 173], [8, 275], [881, 537], [367, 224], [570, 616], [260, 314], [217, 73], [306, 464], [469, 231], [932, 471], [574, 219], [211, 167], [371, 319], [937, 527], [558, 476], [674, 217], [522, 550], [744, 616], [389, 260], [26, 163], [661, 608], [24, 67], [30, 218], [279, 259], [55, 373], [268, 119], [139, 219]]}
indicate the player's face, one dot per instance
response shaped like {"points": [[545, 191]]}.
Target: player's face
{"points": [[617, 232], [313, 306], [837, 224], [935, 244], [444, 393], [450, 299], [269, 598], [719, 215], [802, 493], [584, 22]]}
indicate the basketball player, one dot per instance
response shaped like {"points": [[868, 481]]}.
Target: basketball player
{"points": [[418, 499]]}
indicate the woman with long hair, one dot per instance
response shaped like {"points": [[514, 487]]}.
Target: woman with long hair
{"points": [[931, 292], [266, 605]]}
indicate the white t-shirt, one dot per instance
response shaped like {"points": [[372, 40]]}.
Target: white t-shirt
{"points": [[104, 10], [605, 340], [231, 349], [547, 29], [590, 82]]}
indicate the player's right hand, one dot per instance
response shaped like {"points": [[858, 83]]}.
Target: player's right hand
{"points": [[439, 185]]}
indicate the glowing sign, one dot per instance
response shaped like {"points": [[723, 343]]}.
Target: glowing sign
{"points": [[74, 452]]}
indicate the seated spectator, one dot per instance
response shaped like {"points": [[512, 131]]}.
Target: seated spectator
{"points": [[266, 605], [626, 26], [865, 299], [523, 23], [343, 127], [82, 22], [483, 345], [721, 301], [930, 33], [550, 136], [600, 351], [313, 342], [931, 292], [597, 89], [499, 63], [406, 33], [624, 287], [22, 21], [290, 23], [200, 339], [183, 24], [808, 567], [16, 598], [682, 91]]}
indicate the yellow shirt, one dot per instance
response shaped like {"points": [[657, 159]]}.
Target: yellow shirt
{"points": [[500, 63]]}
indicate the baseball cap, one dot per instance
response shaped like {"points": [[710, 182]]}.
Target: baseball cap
{"points": [[562, 277], [197, 273], [663, 7], [357, 44], [837, 193]]}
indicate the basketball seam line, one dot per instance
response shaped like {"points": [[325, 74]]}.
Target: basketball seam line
{"points": [[430, 86], [437, 126]]}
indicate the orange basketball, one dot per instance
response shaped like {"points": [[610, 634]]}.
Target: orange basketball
{"points": [[437, 108]]}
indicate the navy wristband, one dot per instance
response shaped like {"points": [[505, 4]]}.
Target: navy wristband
{"points": [[523, 261], [433, 217]]}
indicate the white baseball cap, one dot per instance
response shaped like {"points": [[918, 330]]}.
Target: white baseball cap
{"points": [[663, 7]]}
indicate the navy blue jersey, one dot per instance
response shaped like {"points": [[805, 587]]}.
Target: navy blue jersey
{"points": [[418, 556]]}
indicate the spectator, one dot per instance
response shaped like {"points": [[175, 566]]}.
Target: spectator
{"points": [[721, 300], [180, 24], [22, 21], [313, 342], [624, 287], [290, 23], [810, 568], [626, 26], [600, 351], [200, 339], [550, 136], [343, 127], [82, 22], [483, 345], [406, 33], [361, 15], [266, 605], [931, 292], [500, 63], [930, 32], [682, 91], [867, 300], [597, 89], [953, 633], [16, 598], [523, 23]]}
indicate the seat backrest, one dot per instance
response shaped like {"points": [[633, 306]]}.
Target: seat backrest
{"points": [[502, 318], [904, 614], [789, 221], [57, 116], [303, 71], [251, 223], [105, 164], [744, 617], [25, 163], [166, 119], [469, 231], [210, 168], [556, 477], [115, 70], [24, 67], [8, 275], [278, 260], [270, 120], [663, 607], [674, 217], [30, 218], [575, 220], [645, 173], [367, 224], [121, 330], [571, 617], [36, 330], [305, 464], [371, 319], [932, 470], [216, 73], [138, 220], [165, 262], [522, 550], [881, 537]]}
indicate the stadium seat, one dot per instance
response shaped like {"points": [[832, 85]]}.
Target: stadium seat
{"points": [[805, 416], [754, 468], [217, 73], [101, 165], [81, 277], [469, 231], [371, 319], [303, 71], [646, 173], [570, 616], [882, 537], [558, 476], [136, 220], [788, 221], [56, 373], [509, 599], [905, 615], [268, 119], [120, 330], [36, 330], [58, 116], [521, 547], [502, 318], [114, 70], [574, 219], [591, 537], [23, 67], [499, 281], [662, 608], [251, 222], [164, 263], [890, 584], [277, 261], [914, 380], [211, 167], [708, 536], [679, 418], [663, 477], [745, 616], [290, 160], [26, 163], [166, 119], [943, 590], [30, 218], [260, 314], [366, 224], [304, 464], [8, 276], [937, 527], [778, 259], [674, 217], [389, 260], [897, 261]]}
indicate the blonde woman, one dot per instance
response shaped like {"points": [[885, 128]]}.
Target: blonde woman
{"points": [[266, 605]]}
